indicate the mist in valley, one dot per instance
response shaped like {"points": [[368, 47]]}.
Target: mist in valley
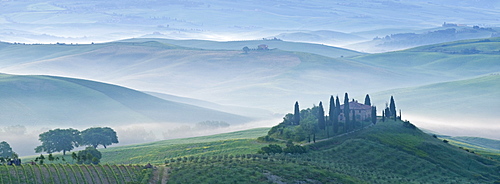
{"points": [[157, 70]]}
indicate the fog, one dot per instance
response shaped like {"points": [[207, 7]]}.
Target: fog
{"points": [[24, 140], [472, 127], [269, 85]]}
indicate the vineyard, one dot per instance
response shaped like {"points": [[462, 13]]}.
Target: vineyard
{"points": [[388, 152], [72, 173]]}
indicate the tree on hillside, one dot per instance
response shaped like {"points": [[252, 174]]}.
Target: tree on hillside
{"points": [[89, 155], [96, 136], [74, 156], [331, 115], [337, 113], [309, 122], [40, 159], [51, 157], [246, 49], [5, 150], [346, 113], [321, 117], [296, 114], [374, 115], [383, 116], [353, 120], [392, 108], [59, 140], [367, 100]]}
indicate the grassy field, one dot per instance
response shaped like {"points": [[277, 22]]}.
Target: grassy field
{"points": [[385, 153], [242, 142]]}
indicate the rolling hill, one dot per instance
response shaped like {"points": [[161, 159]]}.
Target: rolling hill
{"points": [[320, 49], [228, 77], [470, 104], [415, 38], [48, 100], [445, 61], [33, 104], [267, 79], [386, 152], [94, 21]]}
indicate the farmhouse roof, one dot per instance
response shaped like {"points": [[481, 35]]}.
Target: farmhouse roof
{"points": [[354, 105]]}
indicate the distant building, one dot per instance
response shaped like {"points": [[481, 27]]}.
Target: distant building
{"points": [[362, 111], [262, 47]]}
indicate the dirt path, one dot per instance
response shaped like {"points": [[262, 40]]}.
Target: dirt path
{"points": [[165, 176], [160, 175], [340, 135]]}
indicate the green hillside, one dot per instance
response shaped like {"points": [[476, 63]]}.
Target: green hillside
{"points": [[319, 49], [451, 60], [58, 101], [385, 153], [415, 38], [68, 173], [240, 142], [224, 76]]}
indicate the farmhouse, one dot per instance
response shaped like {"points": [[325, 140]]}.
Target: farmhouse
{"points": [[262, 47], [361, 111]]}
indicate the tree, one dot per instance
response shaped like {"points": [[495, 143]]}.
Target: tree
{"points": [[321, 117], [296, 114], [292, 149], [346, 112], [399, 114], [246, 49], [96, 136], [392, 108], [51, 157], [74, 156], [383, 116], [374, 114], [308, 126], [331, 115], [89, 155], [5, 150], [367, 100], [272, 148], [40, 159], [337, 113], [353, 119], [59, 140]]}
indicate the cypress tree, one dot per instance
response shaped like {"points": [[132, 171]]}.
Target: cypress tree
{"points": [[399, 114], [383, 116], [374, 114], [367, 100], [353, 119], [331, 114], [346, 112], [392, 108], [336, 113], [296, 114], [321, 117]]}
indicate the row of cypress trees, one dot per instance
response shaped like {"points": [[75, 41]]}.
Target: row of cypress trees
{"points": [[333, 114]]}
